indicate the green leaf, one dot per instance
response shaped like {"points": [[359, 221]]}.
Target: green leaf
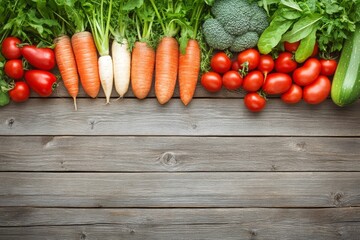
{"points": [[291, 4], [302, 28], [306, 47]]}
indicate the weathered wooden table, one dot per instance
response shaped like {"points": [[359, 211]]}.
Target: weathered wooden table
{"points": [[213, 170]]}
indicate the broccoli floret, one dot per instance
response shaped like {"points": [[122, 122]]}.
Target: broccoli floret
{"points": [[242, 42], [215, 35], [241, 22]]}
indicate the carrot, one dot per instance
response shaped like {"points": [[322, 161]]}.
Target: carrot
{"points": [[87, 62], [166, 68], [142, 69], [189, 68], [67, 65]]}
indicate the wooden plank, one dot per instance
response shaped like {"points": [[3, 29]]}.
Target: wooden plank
{"points": [[180, 189], [183, 154], [204, 117], [327, 224]]}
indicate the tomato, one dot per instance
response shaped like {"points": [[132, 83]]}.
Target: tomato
{"points": [[277, 83], [316, 50], [266, 64], [253, 81], [14, 69], [20, 92], [254, 101], [251, 57], [328, 67], [232, 80], [317, 91], [291, 47], [235, 66], [41, 58], [42, 82], [211, 81], [220, 62], [285, 63], [308, 72], [293, 95], [9, 48]]}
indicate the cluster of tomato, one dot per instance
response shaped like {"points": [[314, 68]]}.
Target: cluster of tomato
{"points": [[39, 78], [261, 75]]}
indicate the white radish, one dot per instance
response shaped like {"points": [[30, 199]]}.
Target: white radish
{"points": [[106, 74], [122, 62]]}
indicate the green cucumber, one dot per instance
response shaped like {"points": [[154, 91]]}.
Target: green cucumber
{"points": [[346, 82]]}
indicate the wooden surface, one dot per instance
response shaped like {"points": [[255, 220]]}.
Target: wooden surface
{"points": [[137, 170]]}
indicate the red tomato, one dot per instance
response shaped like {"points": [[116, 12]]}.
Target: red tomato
{"points": [[232, 80], [328, 66], [285, 63], [293, 95], [316, 50], [9, 48], [235, 66], [41, 58], [291, 47], [253, 81], [266, 64], [254, 102], [251, 56], [308, 72], [317, 91], [277, 83], [20, 92], [220, 62], [42, 82], [14, 69], [211, 81]]}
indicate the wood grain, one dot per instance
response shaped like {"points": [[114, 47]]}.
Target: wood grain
{"points": [[34, 223], [180, 189], [178, 154], [205, 117]]}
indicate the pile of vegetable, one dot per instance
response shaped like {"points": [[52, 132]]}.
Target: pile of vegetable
{"points": [[287, 48]]}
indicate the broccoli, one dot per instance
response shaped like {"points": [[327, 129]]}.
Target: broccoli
{"points": [[238, 25]]}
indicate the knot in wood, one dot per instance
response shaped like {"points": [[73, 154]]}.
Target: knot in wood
{"points": [[11, 122], [83, 236], [168, 159], [337, 198]]}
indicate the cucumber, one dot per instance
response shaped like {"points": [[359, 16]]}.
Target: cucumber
{"points": [[346, 82]]}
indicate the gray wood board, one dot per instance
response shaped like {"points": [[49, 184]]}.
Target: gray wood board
{"points": [[183, 154], [33, 223], [180, 189], [204, 117]]}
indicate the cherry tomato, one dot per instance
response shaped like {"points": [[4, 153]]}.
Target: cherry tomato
{"points": [[328, 66], [211, 81], [253, 81], [316, 50], [291, 47], [277, 83], [308, 72], [254, 101], [41, 58], [42, 82], [9, 48], [251, 56], [220, 63], [266, 64], [293, 95], [317, 91], [235, 66], [285, 63], [20, 92], [14, 69], [232, 80]]}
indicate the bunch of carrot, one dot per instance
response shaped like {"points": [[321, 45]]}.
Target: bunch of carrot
{"points": [[135, 55]]}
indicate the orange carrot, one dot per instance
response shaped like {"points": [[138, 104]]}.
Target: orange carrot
{"points": [[142, 69], [87, 62], [166, 68], [67, 65], [189, 67]]}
